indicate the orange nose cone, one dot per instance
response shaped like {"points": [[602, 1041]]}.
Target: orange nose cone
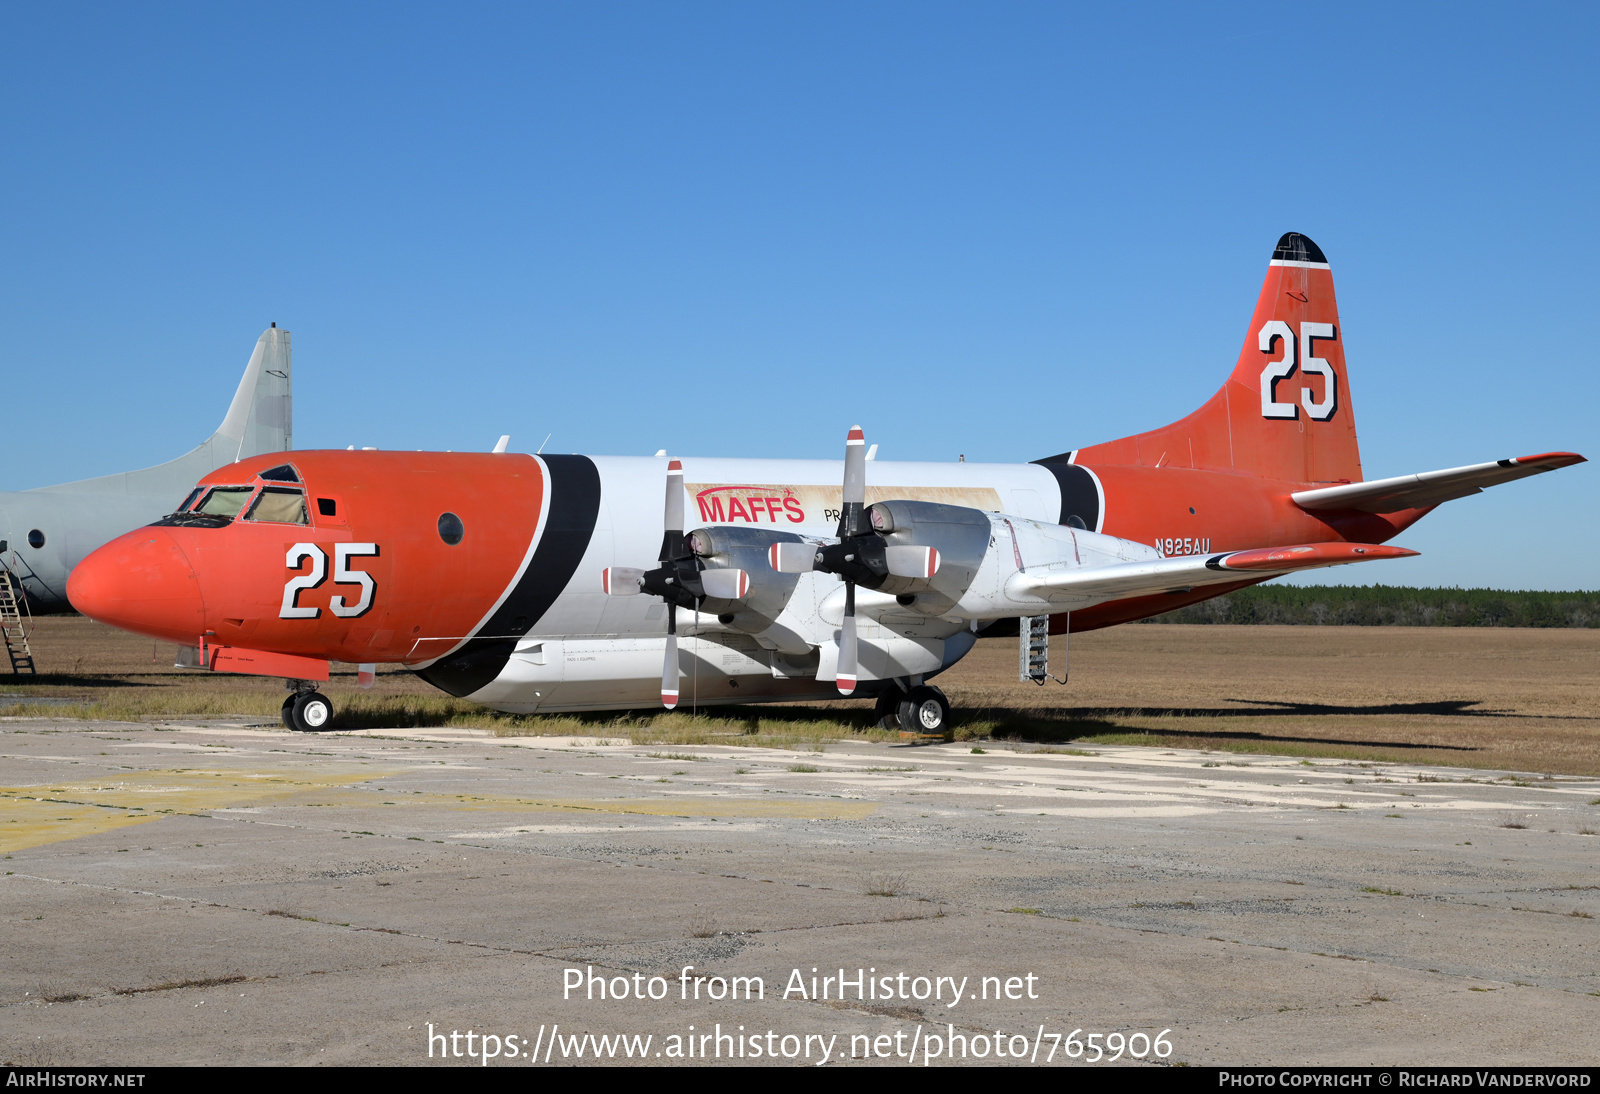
{"points": [[141, 582]]}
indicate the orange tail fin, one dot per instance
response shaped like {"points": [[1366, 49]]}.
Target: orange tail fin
{"points": [[1285, 412]]}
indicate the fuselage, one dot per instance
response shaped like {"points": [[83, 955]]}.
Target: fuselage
{"points": [[512, 613]]}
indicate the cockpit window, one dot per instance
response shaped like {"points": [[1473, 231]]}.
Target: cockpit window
{"points": [[279, 505], [225, 501], [282, 473], [191, 499]]}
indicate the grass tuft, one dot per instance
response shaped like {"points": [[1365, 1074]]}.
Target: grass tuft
{"points": [[886, 884]]}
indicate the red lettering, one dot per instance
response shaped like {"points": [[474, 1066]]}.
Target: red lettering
{"points": [[797, 515], [756, 505], [772, 510], [714, 513], [736, 510]]}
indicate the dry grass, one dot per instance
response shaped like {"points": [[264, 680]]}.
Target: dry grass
{"points": [[882, 884], [1489, 698]]}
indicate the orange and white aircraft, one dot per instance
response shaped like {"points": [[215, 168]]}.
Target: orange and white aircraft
{"points": [[545, 583]]}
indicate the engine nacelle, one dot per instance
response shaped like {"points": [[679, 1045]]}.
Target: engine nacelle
{"points": [[739, 548], [959, 534]]}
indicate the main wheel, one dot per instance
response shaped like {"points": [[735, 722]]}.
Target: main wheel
{"points": [[312, 712], [288, 714], [924, 712]]}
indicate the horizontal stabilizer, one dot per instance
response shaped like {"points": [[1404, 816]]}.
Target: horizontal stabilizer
{"points": [[1167, 575], [1430, 487]]}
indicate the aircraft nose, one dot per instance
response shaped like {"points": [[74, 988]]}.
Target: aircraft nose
{"points": [[141, 582]]}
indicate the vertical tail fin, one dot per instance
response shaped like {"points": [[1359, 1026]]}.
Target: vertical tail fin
{"points": [[1285, 411], [261, 416]]}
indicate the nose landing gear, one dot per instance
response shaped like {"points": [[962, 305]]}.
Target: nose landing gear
{"points": [[306, 710]]}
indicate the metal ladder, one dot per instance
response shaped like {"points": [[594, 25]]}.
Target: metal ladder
{"points": [[1033, 651], [12, 625]]}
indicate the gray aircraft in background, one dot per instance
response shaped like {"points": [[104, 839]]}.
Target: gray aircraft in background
{"points": [[44, 533]]}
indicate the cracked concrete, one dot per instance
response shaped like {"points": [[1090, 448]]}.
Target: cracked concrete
{"points": [[226, 893]]}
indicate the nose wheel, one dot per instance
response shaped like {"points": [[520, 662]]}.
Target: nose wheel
{"points": [[307, 712]]}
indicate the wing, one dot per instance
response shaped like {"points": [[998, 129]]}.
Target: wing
{"points": [[1126, 579], [1430, 487]]}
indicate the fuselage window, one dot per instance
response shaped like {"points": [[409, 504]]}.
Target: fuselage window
{"points": [[281, 473], [279, 505], [225, 501], [451, 529], [36, 539], [328, 507]]}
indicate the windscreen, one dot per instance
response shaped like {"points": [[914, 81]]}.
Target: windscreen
{"points": [[280, 506], [225, 501], [190, 500]]}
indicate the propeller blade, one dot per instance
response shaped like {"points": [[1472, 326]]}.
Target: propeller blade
{"points": [[855, 484], [725, 584], [674, 513], [912, 561], [792, 558], [847, 642], [669, 667], [621, 580]]}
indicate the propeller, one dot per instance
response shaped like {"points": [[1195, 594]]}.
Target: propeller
{"points": [[861, 557], [681, 580], [858, 557]]}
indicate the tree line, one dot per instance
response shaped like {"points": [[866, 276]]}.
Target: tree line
{"points": [[1392, 606]]}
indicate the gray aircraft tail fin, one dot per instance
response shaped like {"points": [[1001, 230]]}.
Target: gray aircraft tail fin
{"points": [[260, 419]]}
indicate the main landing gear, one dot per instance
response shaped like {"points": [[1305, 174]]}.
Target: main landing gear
{"points": [[306, 710], [921, 713]]}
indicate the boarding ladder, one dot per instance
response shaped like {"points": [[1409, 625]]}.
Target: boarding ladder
{"points": [[1033, 651], [12, 625]]}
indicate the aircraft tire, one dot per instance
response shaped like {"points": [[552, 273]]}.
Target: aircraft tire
{"points": [[312, 712], [288, 714], [925, 712]]}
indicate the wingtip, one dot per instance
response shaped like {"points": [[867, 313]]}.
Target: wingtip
{"points": [[1308, 556], [1551, 460]]}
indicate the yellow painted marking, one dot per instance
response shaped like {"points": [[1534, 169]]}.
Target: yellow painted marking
{"points": [[31, 816]]}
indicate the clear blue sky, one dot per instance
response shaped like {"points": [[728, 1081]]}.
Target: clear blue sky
{"points": [[1000, 230]]}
